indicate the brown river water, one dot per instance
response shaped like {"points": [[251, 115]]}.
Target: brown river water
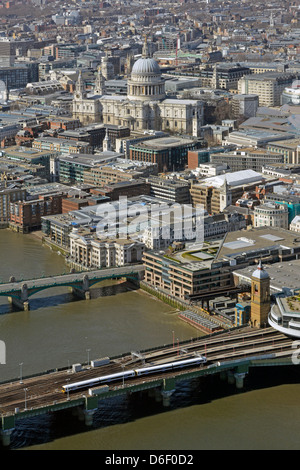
{"points": [[58, 330]]}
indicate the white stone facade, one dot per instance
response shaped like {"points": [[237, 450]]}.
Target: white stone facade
{"points": [[145, 106], [295, 224], [271, 215], [91, 252]]}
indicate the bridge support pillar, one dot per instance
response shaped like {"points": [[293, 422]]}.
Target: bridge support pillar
{"points": [[80, 413], [19, 304], [84, 292], [230, 377], [167, 391], [91, 405], [158, 395], [166, 396], [22, 302], [81, 294], [151, 393], [223, 375], [239, 380], [5, 436], [88, 417], [8, 425]]}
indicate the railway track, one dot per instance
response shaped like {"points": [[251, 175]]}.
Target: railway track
{"points": [[195, 346], [45, 390]]}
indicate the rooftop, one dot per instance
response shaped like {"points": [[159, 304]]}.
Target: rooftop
{"points": [[237, 178], [282, 275], [164, 142], [256, 240]]}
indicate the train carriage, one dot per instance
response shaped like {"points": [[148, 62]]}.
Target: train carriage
{"points": [[135, 373]]}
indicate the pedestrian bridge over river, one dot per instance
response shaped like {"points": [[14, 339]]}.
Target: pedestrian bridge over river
{"points": [[18, 292]]}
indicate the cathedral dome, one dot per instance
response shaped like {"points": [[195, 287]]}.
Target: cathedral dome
{"points": [[146, 66], [146, 82]]}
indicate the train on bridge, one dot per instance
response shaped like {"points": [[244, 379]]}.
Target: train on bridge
{"points": [[134, 373]]}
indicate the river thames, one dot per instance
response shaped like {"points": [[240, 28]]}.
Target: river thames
{"points": [[59, 331]]}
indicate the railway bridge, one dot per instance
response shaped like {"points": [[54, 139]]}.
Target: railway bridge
{"points": [[230, 354], [18, 292]]}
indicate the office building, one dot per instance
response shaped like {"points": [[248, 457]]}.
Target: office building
{"points": [[184, 280], [290, 149], [64, 146], [218, 192], [244, 105], [223, 76], [268, 86], [271, 215], [169, 153], [31, 156], [175, 191], [247, 158], [88, 251]]}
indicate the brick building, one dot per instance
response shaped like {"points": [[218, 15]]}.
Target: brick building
{"points": [[73, 203], [25, 216]]}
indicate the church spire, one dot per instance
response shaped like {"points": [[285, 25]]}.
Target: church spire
{"points": [[145, 52], [106, 142]]}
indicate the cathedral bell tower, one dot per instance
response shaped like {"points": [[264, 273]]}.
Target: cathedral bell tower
{"points": [[99, 88], [260, 297], [80, 92]]}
